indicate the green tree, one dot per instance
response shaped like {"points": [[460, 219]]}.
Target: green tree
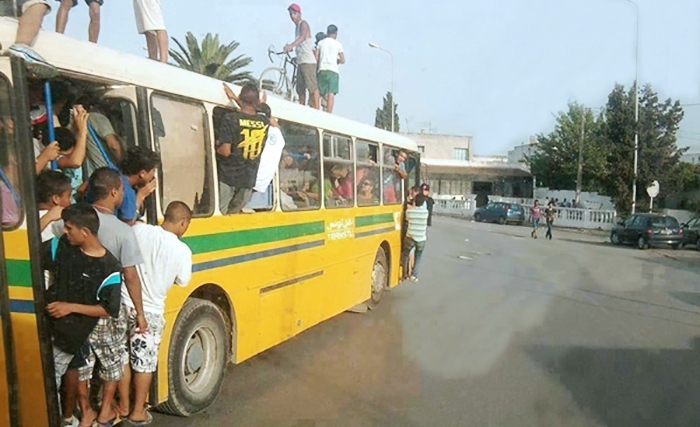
{"points": [[555, 159], [212, 58], [658, 153], [382, 118]]}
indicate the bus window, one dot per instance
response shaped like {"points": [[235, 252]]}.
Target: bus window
{"points": [[300, 167], [338, 181], [9, 172], [122, 116], [368, 182], [392, 161], [185, 172]]}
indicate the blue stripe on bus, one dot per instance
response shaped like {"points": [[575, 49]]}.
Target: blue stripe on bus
{"points": [[373, 232], [218, 263], [21, 306]]}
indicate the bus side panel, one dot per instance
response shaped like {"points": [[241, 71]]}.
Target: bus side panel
{"points": [[30, 373]]}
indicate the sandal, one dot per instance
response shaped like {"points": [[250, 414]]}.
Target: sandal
{"points": [[111, 423], [147, 421]]}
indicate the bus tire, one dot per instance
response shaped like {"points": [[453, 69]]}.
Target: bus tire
{"points": [[379, 279], [197, 357]]}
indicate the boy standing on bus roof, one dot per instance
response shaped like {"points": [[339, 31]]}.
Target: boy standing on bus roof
{"points": [[330, 53], [167, 261], [150, 23], [240, 138], [86, 288], [306, 60], [94, 7]]}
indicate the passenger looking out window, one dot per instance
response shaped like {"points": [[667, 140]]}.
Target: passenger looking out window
{"points": [[394, 174], [338, 186], [300, 188]]}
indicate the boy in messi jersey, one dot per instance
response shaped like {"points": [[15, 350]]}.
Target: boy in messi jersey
{"points": [[240, 138]]}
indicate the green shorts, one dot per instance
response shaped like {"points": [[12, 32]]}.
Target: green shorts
{"points": [[328, 82]]}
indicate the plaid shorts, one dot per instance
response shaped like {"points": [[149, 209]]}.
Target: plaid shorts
{"points": [[107, 350], [143, 348]]}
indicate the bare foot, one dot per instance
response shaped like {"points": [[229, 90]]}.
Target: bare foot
{"points": [[88, 418]]}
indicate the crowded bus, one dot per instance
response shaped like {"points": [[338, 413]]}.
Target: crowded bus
{"points": [[324, 237]]}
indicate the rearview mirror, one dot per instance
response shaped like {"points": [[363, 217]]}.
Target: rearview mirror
{"points": [[683, 225]]}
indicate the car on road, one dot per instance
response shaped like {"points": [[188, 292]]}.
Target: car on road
{"points": [[501, 212], [691, 232], [646, 230]]}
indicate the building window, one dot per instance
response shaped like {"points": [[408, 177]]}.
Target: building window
{"points": [[461, 154], [421, 149]]}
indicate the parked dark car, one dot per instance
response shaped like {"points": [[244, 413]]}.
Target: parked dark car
{"points": [[501, 212], [691, 232], [647, 230]]}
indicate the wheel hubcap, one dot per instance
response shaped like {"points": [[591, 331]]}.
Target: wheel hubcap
{"points": [[378, 279], [199, 359]]}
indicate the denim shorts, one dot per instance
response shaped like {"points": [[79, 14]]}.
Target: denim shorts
{"points": [[536, 223]]}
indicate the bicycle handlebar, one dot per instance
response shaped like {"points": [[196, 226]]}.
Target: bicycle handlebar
{"points": [[271, 51]]}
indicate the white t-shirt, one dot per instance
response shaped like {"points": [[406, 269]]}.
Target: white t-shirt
{"points": [[329, 49], [269, 159], [167, 261], [47, 233]]}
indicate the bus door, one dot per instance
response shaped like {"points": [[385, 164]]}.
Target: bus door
{"points": [[9, 408], [127, 109]]}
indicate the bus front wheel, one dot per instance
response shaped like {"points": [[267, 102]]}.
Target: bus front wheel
{"points": [[196, 358]]}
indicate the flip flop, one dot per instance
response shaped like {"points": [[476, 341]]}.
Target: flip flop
{"points": [[147, 421], [111, 423]]}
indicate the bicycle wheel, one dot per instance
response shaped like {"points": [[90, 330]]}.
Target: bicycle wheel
{"points": [[278, 78]]}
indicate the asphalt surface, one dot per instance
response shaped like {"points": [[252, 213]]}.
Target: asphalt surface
{"points": [[502, 330]]}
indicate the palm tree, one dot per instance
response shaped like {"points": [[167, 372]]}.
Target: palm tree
{"points": [[212, 59]]}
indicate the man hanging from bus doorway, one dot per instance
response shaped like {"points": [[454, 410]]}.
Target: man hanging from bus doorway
{"points": [[306, 60], [240, 138], [94, 7]]}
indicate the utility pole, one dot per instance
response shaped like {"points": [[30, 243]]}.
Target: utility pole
{"points": [[579, 171]]}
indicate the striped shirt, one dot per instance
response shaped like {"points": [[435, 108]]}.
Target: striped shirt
{"points": [[417, 223]]}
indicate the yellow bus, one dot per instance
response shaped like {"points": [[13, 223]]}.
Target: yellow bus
{"points": [[308, 252]]}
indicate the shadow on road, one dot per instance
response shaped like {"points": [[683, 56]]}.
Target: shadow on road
{"points": [[587, 242], [628, 387], [670, 262]]}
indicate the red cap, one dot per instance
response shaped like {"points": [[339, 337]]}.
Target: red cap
{"points": [[295, 7]]}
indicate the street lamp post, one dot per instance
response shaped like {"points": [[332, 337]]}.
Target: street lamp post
{"points": [[636, 110], [376, 46]]}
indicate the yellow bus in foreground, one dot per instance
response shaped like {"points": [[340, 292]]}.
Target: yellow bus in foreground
{"points": [[323, 239]]}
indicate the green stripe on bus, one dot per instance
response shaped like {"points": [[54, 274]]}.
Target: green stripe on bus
{"points": [[236, 239], [19, 273], [366, 221]]}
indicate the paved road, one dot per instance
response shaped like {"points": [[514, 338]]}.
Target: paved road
{"points": [[502, 330]]}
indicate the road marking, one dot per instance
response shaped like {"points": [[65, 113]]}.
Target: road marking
{"points": [[466, 258]]}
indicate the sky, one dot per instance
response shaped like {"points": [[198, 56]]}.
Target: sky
{"points": [[495, 70]]}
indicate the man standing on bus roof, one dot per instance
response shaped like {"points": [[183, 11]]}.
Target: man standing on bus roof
{"points": [[31, 17], [239, 140], [306, 60], [330, 53], [93, 5], [150, 23]]}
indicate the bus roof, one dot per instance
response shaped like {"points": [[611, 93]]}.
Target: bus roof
{"points": [[95, 60]]}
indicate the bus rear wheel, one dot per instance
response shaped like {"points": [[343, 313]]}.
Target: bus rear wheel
{"points": [[380, 279], [196, 358]]}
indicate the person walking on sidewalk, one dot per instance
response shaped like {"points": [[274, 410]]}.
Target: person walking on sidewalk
{"points": [[535, 214], [549, 215]]}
